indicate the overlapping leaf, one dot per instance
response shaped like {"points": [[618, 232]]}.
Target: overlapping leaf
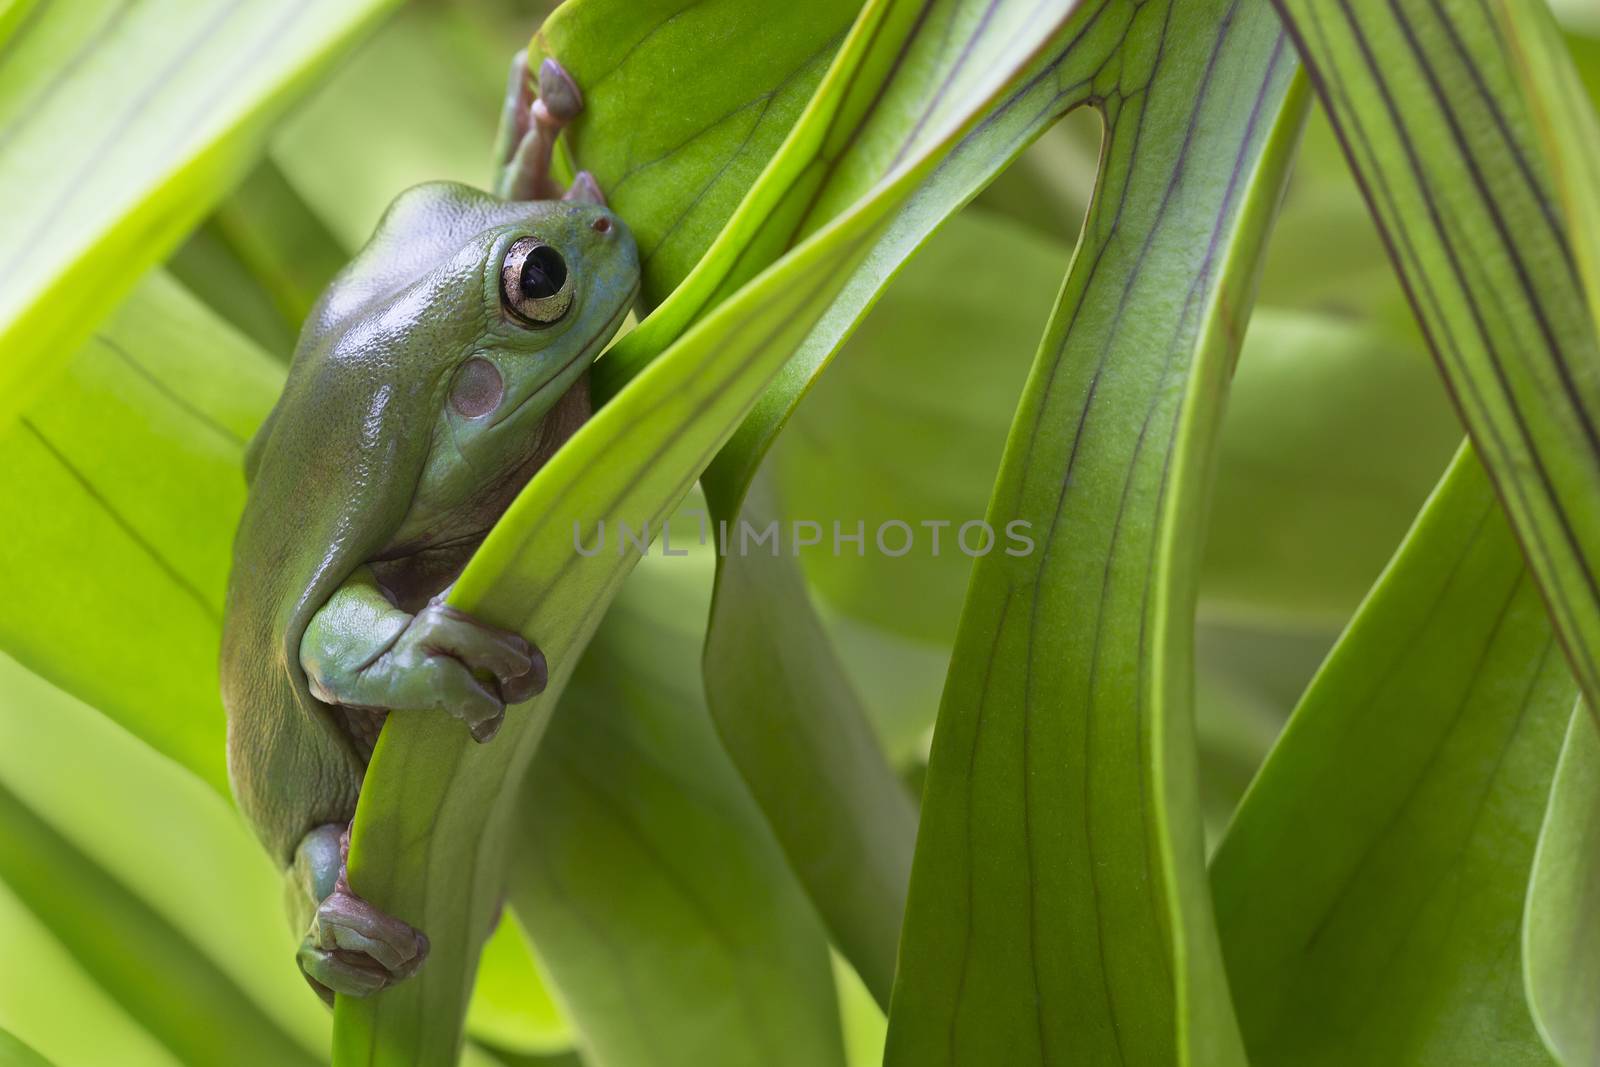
{"points": [[14, 1053], [115, 582], [1443, 134]]}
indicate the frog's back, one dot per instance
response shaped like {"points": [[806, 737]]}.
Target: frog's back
{"points": [[330, 475]]}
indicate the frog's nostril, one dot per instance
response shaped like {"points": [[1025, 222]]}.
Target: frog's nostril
{"points": [[602, 224]]}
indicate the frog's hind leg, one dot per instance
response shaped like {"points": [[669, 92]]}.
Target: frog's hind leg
{"points": [[350, 947], [529, 127]]}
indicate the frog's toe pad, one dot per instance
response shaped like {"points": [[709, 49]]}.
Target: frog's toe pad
{"points": [[335, 972], [585, 190], [558, 92], [354, 948]]}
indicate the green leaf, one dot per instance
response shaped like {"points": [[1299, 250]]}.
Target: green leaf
{"points": [[428, 835], [850, 840], [658, 897], [57, 1007], [120, 126], [1561, 111], [13, 1053], [416, 103], [1560, 952], [800, 738], [261, 260], [708, 87], [1442, 133], [13, 13], [1058, 901], [168, 904], [115, 581], [1369, 891], [512, 1004]]}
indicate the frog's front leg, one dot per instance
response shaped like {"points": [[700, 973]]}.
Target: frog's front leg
{"points": [[529, 127], [362, 652]]}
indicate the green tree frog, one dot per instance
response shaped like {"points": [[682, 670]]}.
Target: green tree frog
{"points": [[438, 371]]}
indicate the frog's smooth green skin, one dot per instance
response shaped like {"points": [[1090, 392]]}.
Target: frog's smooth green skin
{"points": [[440, 369]]}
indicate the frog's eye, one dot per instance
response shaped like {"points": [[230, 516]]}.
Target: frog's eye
{"points": [[533, 282]]}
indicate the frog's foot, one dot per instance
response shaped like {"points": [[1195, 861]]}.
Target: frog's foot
{"points": [[353, 948], [447, 660], [529, 129]]}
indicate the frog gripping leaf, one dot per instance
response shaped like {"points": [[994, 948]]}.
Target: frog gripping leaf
{"points": [[436, 374]]}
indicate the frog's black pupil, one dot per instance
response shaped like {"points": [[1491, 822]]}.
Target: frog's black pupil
{"points": [[543, 273]]}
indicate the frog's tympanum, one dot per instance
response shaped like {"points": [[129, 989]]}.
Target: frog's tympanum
{"points": [[440, 369]]}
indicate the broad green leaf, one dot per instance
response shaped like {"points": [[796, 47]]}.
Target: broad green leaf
{"points": [[685, 101], [120, 124], [1442, 133], [435, 810], [1369, 891], [58, 1008], [1560, 949], [13, 1053], [261, 260], [168, 904], [103, 476], [1058, 901], [13, 13], [417, 103], [512, 1004], [659, 899]]}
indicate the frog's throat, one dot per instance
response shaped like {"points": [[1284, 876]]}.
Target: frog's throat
{"points": [[585, 352]]}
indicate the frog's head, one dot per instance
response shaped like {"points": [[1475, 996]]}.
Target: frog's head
{"points": [[489, 309]]}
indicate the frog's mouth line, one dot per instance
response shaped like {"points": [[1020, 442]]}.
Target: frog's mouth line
{"points": [[584, 353]]}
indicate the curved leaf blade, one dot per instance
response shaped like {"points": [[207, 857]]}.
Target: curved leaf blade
{"points": [[1058, 899], [115, 579]]}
